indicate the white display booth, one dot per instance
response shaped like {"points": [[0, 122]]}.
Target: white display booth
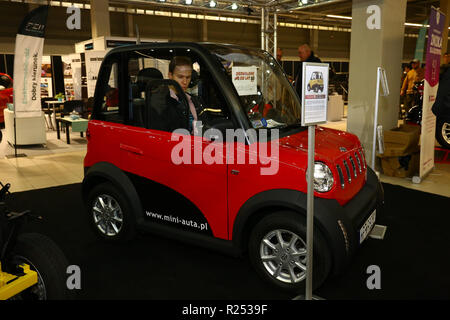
{"points": [[87, 59]]}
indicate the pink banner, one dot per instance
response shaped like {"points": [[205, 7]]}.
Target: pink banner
{"points": [[434, 47]]}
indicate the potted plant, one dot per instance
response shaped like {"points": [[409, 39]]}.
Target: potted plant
{"points": [[59, 96]]}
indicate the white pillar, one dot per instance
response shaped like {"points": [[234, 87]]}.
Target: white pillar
{"points": [[100, 22], [370, 49]]}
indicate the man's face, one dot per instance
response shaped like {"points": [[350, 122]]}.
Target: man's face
{"points": [[303, 53], [447, 58], [279, 54], [182, 75], [415, 65]]}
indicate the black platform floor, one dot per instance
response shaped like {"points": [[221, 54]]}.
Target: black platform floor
{"points": [[414, 257]]}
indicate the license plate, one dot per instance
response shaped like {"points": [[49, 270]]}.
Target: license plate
{"points": [[367, 227]]}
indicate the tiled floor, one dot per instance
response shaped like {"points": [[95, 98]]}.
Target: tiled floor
{"points": [[35, 172]]}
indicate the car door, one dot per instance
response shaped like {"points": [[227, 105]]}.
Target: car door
{"points": [[189, 195], [105, 129]]}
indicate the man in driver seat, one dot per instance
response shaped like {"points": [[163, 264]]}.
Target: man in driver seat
{"points": [[180, 70]]}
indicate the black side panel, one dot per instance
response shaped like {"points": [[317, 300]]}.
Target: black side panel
{"points": [[107, 172], [164, 206]]}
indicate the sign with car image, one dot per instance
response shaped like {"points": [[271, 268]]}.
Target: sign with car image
{"points": [[314, 93]]}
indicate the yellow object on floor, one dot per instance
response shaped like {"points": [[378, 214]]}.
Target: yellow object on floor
{"points": [[11, 285]]}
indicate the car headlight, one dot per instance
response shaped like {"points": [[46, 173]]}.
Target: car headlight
{"points": [[323, 178]]}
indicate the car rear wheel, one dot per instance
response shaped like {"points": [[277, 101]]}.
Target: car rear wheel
{"points": [[110, 214], [443, 133], [277, 250]]}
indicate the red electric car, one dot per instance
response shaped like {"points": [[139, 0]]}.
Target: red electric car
{"points": [[6, 93], [141, 176]]}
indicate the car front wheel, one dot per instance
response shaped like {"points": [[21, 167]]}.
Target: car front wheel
{"points": [[110, 214], [278, 252]]}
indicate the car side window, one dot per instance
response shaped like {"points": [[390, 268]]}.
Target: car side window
{"points": [[207, 107], [140, 72], [111, 108]]}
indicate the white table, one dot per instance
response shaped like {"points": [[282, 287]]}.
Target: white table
{"points": [[53, 104]]}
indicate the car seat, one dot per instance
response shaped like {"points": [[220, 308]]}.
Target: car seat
{"points": [[138, 103]]}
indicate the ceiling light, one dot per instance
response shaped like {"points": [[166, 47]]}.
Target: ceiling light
{"points": [[234, 6], [415, 25], [212, 4], [338, 17], [188, 2]]}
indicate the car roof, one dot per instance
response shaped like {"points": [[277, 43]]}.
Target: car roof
{"points": [[197, 46]]}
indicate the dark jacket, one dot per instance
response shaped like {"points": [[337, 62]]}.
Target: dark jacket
{"points": [[441, 107], [298, 74]]}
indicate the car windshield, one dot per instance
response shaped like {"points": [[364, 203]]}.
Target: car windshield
{"points": [[266, 95]]}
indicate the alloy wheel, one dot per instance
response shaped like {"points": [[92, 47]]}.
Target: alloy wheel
{"points": [[446, 132], [107, 214], [283, 255]]}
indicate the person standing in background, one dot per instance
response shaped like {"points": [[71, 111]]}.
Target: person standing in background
{"points": [[279, 55], [415, 74], [403, 109], [306, 55]]}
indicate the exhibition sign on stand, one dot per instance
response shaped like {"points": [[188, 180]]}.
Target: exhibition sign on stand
{"points": [[93, 62], [28, 67], [28, 64], [75, 65], [314, 111], [433, 61]]}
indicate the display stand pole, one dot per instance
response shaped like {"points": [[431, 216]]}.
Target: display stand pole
{"points": [[138, 37], [375, 120], [381, 79], [310, 218], [15, 136], [310, 212], [314, 112]]}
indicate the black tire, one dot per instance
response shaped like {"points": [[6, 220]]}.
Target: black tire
{"points": [[44, 257], [309, 87], [443, 133], [295, 224], [125, 230]]}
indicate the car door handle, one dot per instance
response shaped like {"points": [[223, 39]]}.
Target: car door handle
{"points": [[131, 149]]}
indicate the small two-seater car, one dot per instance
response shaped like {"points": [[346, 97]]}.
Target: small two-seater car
{"points": [[141, 175]]}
